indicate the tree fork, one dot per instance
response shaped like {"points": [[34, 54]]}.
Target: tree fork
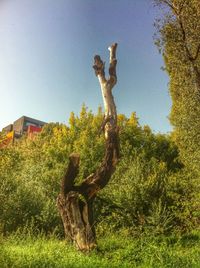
{"points": [[75, 203]]}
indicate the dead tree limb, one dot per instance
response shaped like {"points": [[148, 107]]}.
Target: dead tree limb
{"points": [[75, 203]]}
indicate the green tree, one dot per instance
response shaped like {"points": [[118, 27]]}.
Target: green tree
{"points": [[178, 40]]}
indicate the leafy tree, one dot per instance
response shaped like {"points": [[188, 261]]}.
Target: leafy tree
{"points": [[178, 40]]}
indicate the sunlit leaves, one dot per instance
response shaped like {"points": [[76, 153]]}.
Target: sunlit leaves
{"points": [[179, 42]]}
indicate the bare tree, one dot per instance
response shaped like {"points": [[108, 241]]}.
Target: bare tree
{"points": [[75, 203]]}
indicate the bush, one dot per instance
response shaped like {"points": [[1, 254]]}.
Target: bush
{"points": [[150, 190]]}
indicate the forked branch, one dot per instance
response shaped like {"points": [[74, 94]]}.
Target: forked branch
{"points": [[75, 202]]}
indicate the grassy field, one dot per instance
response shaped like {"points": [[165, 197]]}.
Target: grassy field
{"points": [[114, 251]]}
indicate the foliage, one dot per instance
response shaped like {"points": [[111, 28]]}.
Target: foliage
{"points": [[150, 190], [143, 195], [178, 39]]}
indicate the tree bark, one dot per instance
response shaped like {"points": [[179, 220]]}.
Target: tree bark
{"points": [[75, 203]]}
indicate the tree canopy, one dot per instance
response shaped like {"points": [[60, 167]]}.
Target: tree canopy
{"points": [[178, 32]]}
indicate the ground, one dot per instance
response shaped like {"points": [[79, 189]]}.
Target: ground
{"points": [[22, 250]]}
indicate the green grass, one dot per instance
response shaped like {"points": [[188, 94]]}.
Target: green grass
{"points": [[114, 251]]}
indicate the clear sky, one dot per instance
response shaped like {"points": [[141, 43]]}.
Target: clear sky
{"points": [[46, 58]]}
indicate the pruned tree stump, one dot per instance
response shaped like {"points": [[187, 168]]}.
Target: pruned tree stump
{"points": [[75, 203]]}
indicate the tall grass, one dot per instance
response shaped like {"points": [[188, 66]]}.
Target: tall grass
{"points": [[113, 251]]}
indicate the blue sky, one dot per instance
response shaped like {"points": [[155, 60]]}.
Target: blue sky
{"points": [[46, 58]]}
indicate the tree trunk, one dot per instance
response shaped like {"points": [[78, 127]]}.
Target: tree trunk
{"points": [[75, 203]]}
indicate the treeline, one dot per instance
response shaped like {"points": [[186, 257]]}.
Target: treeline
{"points": [[151, 190]]}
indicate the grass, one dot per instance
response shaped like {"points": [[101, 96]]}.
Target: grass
{"points": [[19, 251]]}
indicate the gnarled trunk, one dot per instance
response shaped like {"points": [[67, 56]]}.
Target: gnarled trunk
{"points": [[75, 203]]}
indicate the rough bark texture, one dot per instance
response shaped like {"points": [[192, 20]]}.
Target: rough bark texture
{"points": [[75, 203]]}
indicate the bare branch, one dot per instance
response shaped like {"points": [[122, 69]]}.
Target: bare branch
{"points": [[112, 68], [75, 201], [98, 180], [99, 67], [106, 86]]}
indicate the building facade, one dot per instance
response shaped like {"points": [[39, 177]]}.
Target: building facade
{"points": [[23, 125]]}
